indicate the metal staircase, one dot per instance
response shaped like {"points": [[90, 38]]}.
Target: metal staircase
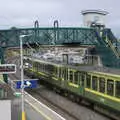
{"points": [[107, 49], [112, 42]]}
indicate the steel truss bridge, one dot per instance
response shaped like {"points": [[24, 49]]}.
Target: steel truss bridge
{"points": [[106, 44]]}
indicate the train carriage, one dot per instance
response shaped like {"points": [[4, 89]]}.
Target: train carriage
{"points": [[97, 87]]}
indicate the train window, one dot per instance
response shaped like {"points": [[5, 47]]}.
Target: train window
{"points": [[94, 82], [38, 66], [110, 87], [50, 68], [82, 78], [118, 89], [65, 72], [76, 77], [35, 67], [71, 76], [56, 74], [88, 81], [57, 70], [43, 67], [60, 72], [102, 84]]}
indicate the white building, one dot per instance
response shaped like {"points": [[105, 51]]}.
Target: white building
{"points": [[94, 17]]}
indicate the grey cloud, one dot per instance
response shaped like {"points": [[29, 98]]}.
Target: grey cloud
{"points": [[22, 13]]}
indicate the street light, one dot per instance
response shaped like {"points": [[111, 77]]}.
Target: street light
{"points": [[22, 74]]}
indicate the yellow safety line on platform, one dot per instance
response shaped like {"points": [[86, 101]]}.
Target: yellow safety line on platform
{"points": [[39, 111], [23, 116], [103, 95]]}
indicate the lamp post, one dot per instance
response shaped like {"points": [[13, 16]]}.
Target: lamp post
{"points": [[22, 75], [56, 25]]}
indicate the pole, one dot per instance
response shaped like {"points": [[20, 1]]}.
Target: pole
{"points": [[22, 79], [56, 25]]}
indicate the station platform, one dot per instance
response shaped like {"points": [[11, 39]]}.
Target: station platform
{"points": [[35, 110], [10, 106], [40, 109]]}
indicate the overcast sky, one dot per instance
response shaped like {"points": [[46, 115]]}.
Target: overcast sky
{"points": [[23, 13]]}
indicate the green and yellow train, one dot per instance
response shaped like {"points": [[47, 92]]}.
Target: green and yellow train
{"points": [[99, 88]]}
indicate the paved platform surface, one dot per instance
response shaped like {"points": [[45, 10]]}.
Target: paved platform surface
{"points": [[35, 110], [42, 109], [31, 114]]}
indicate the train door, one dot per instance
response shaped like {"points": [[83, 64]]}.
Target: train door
{"points": [[60, 74], [64, 75]]}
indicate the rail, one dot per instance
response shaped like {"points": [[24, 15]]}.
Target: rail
{"points": [[112, 47]]}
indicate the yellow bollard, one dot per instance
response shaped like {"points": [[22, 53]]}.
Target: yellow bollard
{"points": [[23, 116]]}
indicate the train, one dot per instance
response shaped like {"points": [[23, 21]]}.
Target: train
{"points": [[98, 86]]}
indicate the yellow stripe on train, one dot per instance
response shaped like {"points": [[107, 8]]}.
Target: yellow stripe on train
{"points": [[39, 72], [74, 85], [54, 78], [103, 95]]}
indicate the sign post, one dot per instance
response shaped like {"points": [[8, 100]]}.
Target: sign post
{"points": [[28, 83]]}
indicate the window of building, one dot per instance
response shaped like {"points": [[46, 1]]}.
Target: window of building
{"points": [[118, 89], [110, 87], [102, 84], [94, 82], [88, 81]]}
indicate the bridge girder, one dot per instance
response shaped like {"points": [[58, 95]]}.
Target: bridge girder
{"points": [[48, 36]]}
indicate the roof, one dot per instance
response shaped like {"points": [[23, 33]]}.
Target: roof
{"points": [[88, 68], [94, 11]]}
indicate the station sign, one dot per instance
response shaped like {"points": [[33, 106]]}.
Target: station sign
{"points": [[28, 83], [7, 68]]}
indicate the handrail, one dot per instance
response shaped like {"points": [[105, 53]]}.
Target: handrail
{"points": [[112, 47]]}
